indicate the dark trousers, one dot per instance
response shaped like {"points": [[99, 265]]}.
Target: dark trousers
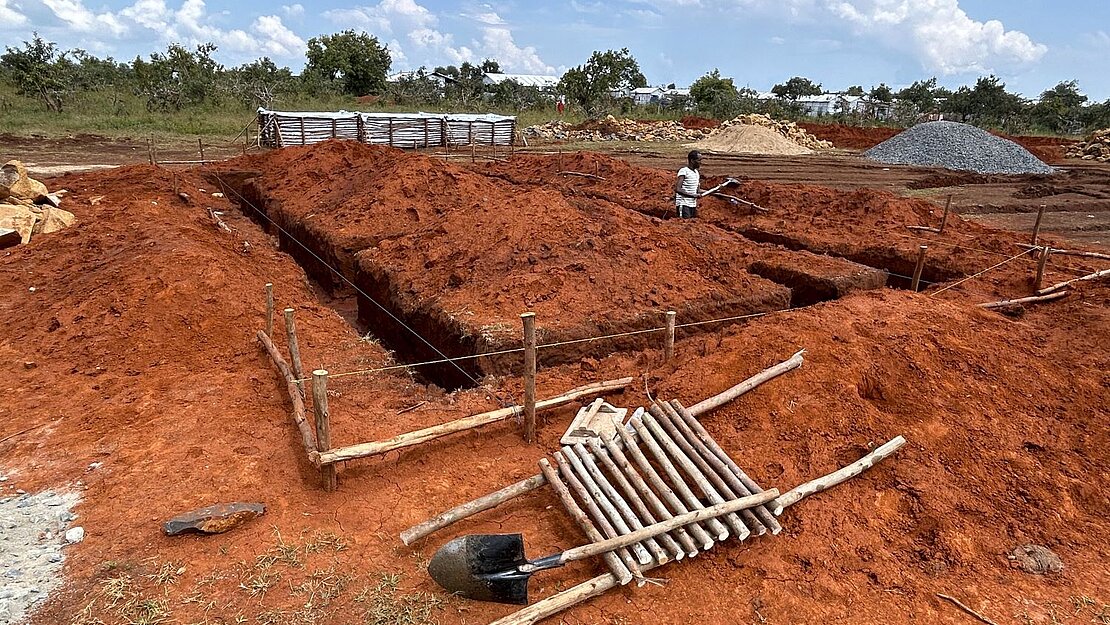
{"points": [[687, 212]]}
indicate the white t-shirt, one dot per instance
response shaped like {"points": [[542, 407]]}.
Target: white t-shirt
{"points": [[690, 182]]}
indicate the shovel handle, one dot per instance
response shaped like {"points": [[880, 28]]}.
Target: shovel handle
{"points": [[604, 546]]}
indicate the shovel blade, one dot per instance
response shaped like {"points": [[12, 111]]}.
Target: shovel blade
{"points": [[483, 567]]}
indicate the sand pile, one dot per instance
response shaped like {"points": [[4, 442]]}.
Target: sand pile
{"points": [[963, 147], [790, 130], [745, 139]]}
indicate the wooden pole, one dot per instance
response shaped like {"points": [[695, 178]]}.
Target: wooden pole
{"points": [[307, 437], [1041, 262], [668, 345], [620, 573], [492, 500], [1063, 252], [1025, 300], [362, 450], [323, 423], [811, 487], [294, 348], [390, 132], [915, 284], [650, 431], [606, 529], [666, 417], [150, 148], [944, 219], [304, 140], [614, 506], [746, 484], [269, 309], [471, 508], [200, 146], [1037, 225], [575, 595], [529, 320], [633, 498], [1091, 276]]}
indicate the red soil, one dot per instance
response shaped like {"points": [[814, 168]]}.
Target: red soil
{"points": [[139, 351], [693, 122]]}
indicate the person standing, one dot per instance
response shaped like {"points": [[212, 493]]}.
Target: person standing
{"points": [[686, 188]]}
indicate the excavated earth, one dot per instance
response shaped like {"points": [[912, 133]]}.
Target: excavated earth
{"points": [[130, 342]]}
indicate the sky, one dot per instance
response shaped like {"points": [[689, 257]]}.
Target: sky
{"points": [[1031, 44]]}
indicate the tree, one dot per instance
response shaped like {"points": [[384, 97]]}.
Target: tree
{"points": [[881, 93], [356, 60], [922, 94], [511, 94], [715, 96], [987, 104], [179, 78], [259, 82], [590, 85], [797, 87], [1060, 109], [40, 71], [855, 90]]}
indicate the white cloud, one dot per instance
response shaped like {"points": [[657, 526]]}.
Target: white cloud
{"points": [[151, 14], [10, 17], [82, 20], [497, 43], [276, 38], [384, 18], [943, 37], [293, 11]]}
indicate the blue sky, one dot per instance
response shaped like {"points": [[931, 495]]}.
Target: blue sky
{"points": [[1031, 44]]}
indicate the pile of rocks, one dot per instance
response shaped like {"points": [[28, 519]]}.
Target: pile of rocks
{"points": [[1095, 148], [27, 207], [614, 129], [790, 130], [962, 147]]}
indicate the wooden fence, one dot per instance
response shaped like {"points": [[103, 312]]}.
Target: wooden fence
{"points": [[402, 130]]}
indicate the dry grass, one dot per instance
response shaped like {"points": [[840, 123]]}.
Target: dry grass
{"points": [[386, 605]]}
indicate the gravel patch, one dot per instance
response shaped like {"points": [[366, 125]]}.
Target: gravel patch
{"points": [[957, 146], [32, 536]]}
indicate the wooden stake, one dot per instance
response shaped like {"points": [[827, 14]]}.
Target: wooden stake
{"points": [[596, 454], [916, 282], [1037, 225], [746, 484], [701, 534], [529, 320], [323, 423], [959, 604], [572, 596], [666, 417], [602, 522], [150, 148], [732, 393], [944, 219], [620, 573], [294, 349], [471, 508], [624, 520], [841, 475], [363, 450], [668, 345], [1091, 276], [307, 437], [200, 146], [650, 431], [1041, 262], [269, 309], [304, 141]]}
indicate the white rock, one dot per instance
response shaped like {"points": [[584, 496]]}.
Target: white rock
{"points": [[75, 535]]}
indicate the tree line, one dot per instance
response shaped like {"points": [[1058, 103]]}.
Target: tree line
{"points": [[353, 63]]}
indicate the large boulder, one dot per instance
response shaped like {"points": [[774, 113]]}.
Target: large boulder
{"points": [[15, 182], [19, 218], [53, 219]]}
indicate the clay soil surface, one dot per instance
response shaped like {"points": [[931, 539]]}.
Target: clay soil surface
{"points": [[130, 342]]}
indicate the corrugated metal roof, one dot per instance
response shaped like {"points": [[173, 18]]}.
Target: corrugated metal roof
{"points": [[528, 80]]}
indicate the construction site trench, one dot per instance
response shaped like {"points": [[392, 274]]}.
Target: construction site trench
{"points": [[440, 258]]}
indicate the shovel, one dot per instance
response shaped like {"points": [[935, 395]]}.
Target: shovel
{"points": [[492, 567]]}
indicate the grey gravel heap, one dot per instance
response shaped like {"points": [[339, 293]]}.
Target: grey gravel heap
{"points": [[957, 146], [31, 555]]}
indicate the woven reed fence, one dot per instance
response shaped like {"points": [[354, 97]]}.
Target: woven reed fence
{"points": [[403, 130]]}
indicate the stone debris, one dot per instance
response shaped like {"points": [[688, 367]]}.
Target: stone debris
{"points": [[215, 519], [26, 205], [1036, 559], [75, 535], [614, 129], [957, 146], [789, 130], [32, 534], [1095, 148]]}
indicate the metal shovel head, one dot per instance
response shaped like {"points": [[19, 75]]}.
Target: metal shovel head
{"points": [[483, 567]]}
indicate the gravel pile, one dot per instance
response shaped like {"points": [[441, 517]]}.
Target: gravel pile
{"points": [[957, 146], [33, 531]]}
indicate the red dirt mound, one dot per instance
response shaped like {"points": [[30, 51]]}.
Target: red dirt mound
{"points": [[850, 137], [693, 122]]}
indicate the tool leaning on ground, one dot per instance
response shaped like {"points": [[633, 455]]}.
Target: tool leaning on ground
{"points": [[492, 567]]}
